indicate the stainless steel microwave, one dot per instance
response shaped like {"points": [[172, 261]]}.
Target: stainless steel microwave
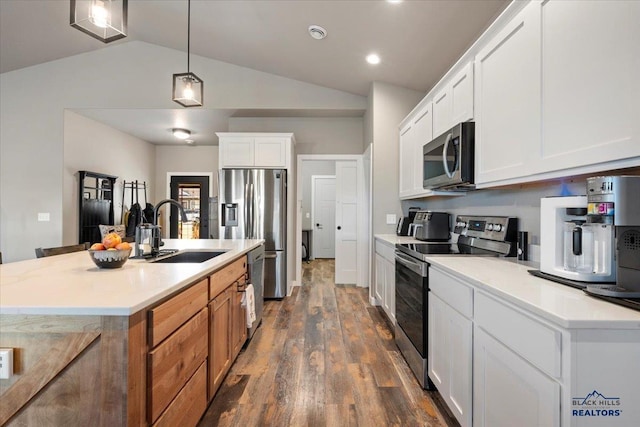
{"points": [[448, 159]]}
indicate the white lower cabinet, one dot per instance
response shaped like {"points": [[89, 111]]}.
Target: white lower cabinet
{"points": [[385, 280], [450, 338], [508, 391]]}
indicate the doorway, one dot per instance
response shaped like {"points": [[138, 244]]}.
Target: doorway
{"points": [[352, 206], [192, 192], [323, 215]]}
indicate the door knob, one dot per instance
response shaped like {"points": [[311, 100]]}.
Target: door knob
{"points": [[319, 226], [339, 228]]}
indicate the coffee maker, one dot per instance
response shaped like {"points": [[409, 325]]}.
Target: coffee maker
{"points": [[620, 194], [576, 244]]}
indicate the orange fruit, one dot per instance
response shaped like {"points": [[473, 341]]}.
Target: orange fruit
{"points": [[111, 240], [97, 247], [112, 249], [124, 246]]}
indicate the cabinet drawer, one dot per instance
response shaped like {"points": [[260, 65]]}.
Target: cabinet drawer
{"points": [[531, 339], [386, 251], [189, 405], [168, 316], [173, 362], [452, 291], [221, 279]]}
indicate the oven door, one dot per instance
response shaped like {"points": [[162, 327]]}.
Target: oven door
{"points": [[411, 300]]}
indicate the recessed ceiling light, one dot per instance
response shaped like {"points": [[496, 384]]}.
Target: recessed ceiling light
{"points": [[394, 1], [181, 133], [317, 32], [373, 59], [189, 141]]}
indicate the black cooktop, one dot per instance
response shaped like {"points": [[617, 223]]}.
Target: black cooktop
{"points": [[422, 250]]}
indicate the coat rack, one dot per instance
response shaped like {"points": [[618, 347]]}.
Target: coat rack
{"points": [[137, 213]]}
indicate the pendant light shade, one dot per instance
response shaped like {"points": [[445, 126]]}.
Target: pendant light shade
{"points": [[105, 20], [188, 88]]}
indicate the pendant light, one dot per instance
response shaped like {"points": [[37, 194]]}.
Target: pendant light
{"points": [[187, 87], [105, 20]]}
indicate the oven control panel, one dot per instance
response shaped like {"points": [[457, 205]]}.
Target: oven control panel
{"points": [[501, 228]]}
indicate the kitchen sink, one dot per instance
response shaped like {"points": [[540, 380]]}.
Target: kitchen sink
{"points": [[189, 257]]}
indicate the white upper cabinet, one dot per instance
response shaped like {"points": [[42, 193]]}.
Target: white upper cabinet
{"points": [[590, 83], [255, 150], [406, 165], [508, 99], [423, 130], [454, 103]]}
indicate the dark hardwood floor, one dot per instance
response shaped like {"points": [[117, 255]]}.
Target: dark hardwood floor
{"points": [[322, 357]]}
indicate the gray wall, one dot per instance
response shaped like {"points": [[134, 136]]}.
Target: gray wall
{"points": [[319, 167], [32, 116], [314, 135], [93, 146], [390, 104]]}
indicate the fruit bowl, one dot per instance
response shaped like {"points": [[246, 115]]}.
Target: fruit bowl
{"points": [[109, 258]]}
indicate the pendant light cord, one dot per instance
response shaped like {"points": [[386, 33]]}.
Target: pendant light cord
{"points": [[188, 32]]}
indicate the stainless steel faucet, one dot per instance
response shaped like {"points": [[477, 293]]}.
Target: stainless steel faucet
{"points": [[156, 211]]}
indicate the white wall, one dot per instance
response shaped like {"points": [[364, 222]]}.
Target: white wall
{"points": [[188, 159], [312, 167], [390, 104], [128, 75], [314, 135], [92, 146]]}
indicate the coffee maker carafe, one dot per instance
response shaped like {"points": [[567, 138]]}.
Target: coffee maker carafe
{"points": [[575, 244], [147, 240]]}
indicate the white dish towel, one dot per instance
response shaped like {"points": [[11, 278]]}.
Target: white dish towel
{"points": [[249, 303]]}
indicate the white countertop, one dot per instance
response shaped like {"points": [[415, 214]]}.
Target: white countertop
{"points": [[559, 304], [392, 239], [71, 284]]}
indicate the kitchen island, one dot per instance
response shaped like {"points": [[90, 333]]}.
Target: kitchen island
{"points": [[145, 344]]}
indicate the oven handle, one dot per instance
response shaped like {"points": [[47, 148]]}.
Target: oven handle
{"points": [[412, 264]]}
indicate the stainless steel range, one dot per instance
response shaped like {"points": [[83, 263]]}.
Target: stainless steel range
{"points": [[478, 236]]}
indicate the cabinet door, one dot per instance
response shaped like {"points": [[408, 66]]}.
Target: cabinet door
{"points": [[236, 151], [406, 161], [219, 340], [423, 130], [507, 391], [238, 321], [507, 85], [390, 290], [590, 83], [461, 90], [270, 152], [379, 291], [442, 112], [450, 357]]}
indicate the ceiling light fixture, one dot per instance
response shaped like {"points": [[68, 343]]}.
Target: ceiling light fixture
{"points": [[187, 87], [394, 1], [189, 141], [317, 32], [181, 133], [105, 20], [373, 59]]}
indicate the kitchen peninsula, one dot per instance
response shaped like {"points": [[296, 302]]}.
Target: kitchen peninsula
{"points": [[145, 344]]}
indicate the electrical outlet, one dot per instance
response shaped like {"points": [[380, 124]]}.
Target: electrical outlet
{"points": [[391, 219], [308, 215], [6, 363], [44, 216]]}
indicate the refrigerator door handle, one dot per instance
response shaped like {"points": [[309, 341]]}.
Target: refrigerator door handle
{"points": [[246, 211], [270, 256]]}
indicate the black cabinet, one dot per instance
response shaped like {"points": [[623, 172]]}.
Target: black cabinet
{"points": [[95, 204]]}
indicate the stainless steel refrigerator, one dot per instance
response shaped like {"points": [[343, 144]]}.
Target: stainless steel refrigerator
{"points": [[253, 205]]}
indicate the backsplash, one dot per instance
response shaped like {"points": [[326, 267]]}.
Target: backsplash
{"points": [[522, 201]]}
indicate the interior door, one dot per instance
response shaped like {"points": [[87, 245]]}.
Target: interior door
{"points": [[193, 194], [323, 188], [346, 229]]}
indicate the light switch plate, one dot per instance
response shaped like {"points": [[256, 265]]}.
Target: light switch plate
{"points": [[391, 219], [44, 216], [6, 363]]}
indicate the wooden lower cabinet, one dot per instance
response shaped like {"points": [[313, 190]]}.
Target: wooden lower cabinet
{"points": [[172, 363], [238, 321], [189, 405], [219, 340]]}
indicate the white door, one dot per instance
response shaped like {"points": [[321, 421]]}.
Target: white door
{"points": [[323, 214], [346, 227]]}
